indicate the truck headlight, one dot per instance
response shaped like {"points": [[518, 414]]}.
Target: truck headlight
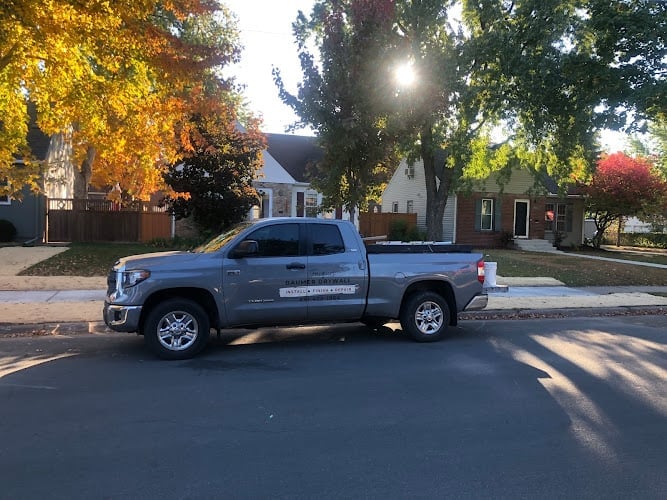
{"points": [[131, 278]]}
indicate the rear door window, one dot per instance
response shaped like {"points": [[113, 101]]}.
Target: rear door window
{"points": [[326, 239]]}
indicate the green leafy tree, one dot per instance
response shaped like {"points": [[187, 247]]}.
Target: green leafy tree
{"points": [[212, 182], [654, 147], [623, 186], [552, 72], [653, 144], [336, 98]]}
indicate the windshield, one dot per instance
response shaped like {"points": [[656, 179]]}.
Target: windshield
{"points": [[221, 240]]}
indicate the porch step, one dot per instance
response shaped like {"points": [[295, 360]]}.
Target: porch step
{"points": [[534, 245]]}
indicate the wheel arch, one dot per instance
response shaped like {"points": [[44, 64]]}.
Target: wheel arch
{"points": [[441, 287], [201, 296]]}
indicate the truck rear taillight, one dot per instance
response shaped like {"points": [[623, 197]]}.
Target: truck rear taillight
{"points": [[480, 271]]}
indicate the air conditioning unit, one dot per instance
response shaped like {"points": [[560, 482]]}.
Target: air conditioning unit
{"points": [[410, 172]]}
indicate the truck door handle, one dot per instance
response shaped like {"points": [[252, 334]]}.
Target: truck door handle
{"points": [[296, 265]]}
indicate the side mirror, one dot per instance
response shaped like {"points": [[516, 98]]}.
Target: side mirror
{"points": [[244, 249]]}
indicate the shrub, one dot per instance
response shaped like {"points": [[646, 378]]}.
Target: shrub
{"points": [[177, 243], [414, 234], [507, 239], [648, 240], [402, 230], [7, 231], [398, 230]]}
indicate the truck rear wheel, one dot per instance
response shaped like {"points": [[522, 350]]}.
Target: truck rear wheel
{"points": [[425, 316], [176, 329]]}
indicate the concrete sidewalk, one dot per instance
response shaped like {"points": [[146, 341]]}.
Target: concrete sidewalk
{"points": [[524, 298]]}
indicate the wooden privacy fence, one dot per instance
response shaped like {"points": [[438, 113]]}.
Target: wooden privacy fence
{"points": [[103, 220], [372, 224]]}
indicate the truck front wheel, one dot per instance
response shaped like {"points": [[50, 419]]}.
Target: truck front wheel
{"points": [[425, 316], [176, 329]]}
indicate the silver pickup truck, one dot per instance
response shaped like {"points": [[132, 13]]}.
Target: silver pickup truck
{"points": [[290, 271]]}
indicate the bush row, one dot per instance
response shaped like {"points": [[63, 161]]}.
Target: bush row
{"points": [[648, 240]]}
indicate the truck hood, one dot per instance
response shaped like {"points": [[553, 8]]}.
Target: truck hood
{"points": [[151, 261]]}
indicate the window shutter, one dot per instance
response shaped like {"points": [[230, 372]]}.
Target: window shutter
{"points": [[497, 213], [478, 215], [300, 204]]}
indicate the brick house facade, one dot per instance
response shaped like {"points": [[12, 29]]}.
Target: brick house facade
{"points": [[494, 211], [469, 228]]}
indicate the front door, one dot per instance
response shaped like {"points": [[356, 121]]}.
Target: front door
{"points": [[259, 289], [521, 213]]}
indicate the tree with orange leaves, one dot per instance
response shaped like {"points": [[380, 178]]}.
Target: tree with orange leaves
{"points": [[114, 79]]}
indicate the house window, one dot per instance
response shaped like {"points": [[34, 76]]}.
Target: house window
{"points": [[409, 207], [4, 199], [311, 204], [486, 220], [394, 207], [555, 217]]}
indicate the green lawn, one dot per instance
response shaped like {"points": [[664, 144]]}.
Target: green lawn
{"points": [[87, 259], [647, 256], [573, 270]]}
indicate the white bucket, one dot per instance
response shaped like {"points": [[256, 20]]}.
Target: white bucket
{"points": [[490, 273]]}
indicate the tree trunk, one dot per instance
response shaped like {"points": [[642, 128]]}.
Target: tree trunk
{"points": [[353, 213], [437, 188], [84, 174]]}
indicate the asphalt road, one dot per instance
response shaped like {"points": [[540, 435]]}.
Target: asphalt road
{"points": [[549, 408]]}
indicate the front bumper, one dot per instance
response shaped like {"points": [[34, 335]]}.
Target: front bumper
{"points": [[122, 318]]}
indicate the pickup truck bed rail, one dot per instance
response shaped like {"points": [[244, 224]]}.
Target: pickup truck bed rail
{"points": [[418, 248]]}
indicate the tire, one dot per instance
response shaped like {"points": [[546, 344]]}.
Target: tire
{"points": [[425, 316], [176, 329]]}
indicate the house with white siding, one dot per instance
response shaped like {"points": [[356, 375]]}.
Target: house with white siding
{"points": [[283, 182], [406, 193]]}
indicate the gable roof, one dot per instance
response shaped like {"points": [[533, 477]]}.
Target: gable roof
{"points": [[552, 186], [272, 171], [294, 153]]}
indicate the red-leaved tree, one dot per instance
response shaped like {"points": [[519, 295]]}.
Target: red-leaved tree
{"points": [[623, 186]]}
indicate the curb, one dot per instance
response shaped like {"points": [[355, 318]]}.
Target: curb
{"points": [[43, 329], [571, 312], [98, 327]]}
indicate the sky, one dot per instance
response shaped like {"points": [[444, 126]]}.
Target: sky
{"points": [[266, 35]]}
